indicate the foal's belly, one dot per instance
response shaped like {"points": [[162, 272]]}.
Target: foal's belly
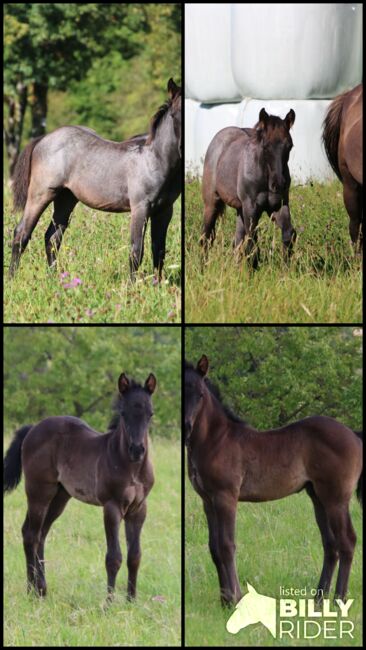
{"points": [[80, 486], [273, 485]]}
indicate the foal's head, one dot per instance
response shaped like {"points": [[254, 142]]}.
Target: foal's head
{"points": [[273, 135], [175, 93], [135, 409], [194, 387]]}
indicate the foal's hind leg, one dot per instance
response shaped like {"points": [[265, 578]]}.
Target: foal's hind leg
{"points": [[352, 195], [133, 526], [55, 509], [212, 210], [37, 202], [39, 498], [329, 545], [64, 204], [159, 227]]}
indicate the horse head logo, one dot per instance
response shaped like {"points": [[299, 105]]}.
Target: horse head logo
{"points": [[253, 608]]}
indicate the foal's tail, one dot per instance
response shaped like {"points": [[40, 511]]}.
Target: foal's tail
{"points": [[331, 131], [21, 175], [359, 434], [13, 459]]}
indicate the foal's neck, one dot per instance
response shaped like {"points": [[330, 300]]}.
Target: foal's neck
{"points": [[209, 419], [165, 143]]}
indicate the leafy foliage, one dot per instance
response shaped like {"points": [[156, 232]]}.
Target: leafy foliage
{"points": [[274, 375], [74, 371]]}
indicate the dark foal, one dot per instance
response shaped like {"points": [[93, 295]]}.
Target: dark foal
{"points": [[342, 138], [248, 170], [230, 461], [141, 175], [62, 457]]}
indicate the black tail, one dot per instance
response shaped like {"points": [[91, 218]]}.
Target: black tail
{"points": [[13, 460], [359, 434]]}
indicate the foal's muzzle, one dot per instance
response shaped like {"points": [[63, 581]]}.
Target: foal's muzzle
{"points": [[136, 452]]}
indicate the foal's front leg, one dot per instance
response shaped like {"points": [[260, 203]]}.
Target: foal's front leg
{"points": [[224, 505], [113, 558], [133, 525]]}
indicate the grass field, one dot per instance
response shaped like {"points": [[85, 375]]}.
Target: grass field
{"points": [[93, 259], [73, 612], [323, 284], [278, 544]]}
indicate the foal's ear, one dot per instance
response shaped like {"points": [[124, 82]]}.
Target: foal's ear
{"points": [[172, 88], [123, 383], [263, 119], [150, 383], [290, 119], [202, 366]]}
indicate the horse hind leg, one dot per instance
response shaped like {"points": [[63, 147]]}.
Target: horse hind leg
{"points": [[352, 196], [55, 509], [64, 204], [35, 206], [329, 546]]}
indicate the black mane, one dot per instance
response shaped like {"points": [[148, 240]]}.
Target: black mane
{"points": [[156, 119], [116, 407], [215, 391]]}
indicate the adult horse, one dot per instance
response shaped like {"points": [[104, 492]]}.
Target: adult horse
{"points": [[73, 163], [230, 461], [342, 138], [62, 457], [248, 170]]}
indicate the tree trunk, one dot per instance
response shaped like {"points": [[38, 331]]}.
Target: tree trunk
{"points": [[38, 104], [13, 132]]}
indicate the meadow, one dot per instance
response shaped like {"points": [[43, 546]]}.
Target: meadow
{"points": [[278, 544], [322, 284], [91, 284], [74, 613]]}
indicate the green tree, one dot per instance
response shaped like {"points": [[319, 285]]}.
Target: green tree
{"points": [[74, 371], [274, 375], [47, 45]]}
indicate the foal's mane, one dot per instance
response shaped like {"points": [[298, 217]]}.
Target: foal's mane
{"points": [[117, 406], [158, 117], [215, 391]]}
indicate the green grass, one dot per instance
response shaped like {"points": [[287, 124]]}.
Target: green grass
{"points": [[73, 612], [95, 249], [278, 544], [323, 283]]}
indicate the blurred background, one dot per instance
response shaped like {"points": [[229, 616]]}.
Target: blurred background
{"points": [[103, 65], [276, 375], [74, 371]]}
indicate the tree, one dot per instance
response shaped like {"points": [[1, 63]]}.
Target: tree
{"points": [[49, 45], [274, 375]]}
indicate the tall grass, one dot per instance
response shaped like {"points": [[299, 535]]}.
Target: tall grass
{"points": [[277, 545], [323, 283], [73, 613], [93, 259]]}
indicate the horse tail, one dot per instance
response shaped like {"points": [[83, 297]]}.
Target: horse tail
{"points": [[21, 175], [331, 132], [13, 459], [359, 434]]}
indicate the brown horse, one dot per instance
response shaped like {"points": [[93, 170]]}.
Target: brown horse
{"points": [[342, 138], [62, 457], [230, 461]]}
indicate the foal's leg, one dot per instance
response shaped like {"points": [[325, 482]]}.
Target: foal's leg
{"points": [[329, 546], [212, 210], [37, 202], [133, 525], [55, 509], [113, 558], [225, 505], [341, 525], [159, 227], [251, 219], [39, 498], [64, 204], [213, 542], [139, 219], [352, 196]]}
